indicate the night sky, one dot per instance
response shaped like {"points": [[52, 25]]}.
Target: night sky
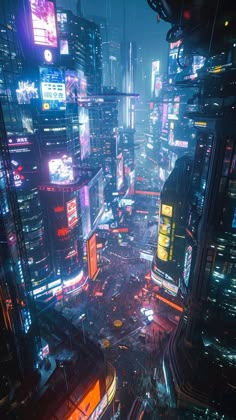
{"points": [[141, 26]]}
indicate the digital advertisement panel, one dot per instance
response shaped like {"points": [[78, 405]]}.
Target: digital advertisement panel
{"points": [[84, 134], [155, 73], [173, 67], [162, 253], [26, 91], [72, 213], [88, 404], [24, 160], [119, 171], [92, 256], [64, 47], [166, 210], [52, 88], [61, 170], [44, 23]]}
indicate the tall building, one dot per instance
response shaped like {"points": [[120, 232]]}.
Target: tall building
{"points": [[20, 343], [199, 366], [168, 264]]}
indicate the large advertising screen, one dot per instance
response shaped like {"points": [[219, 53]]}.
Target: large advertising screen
{"points": [[84, 134], [72, 213], [44, 22], [85, 408], [24, 160], [96, 198], [92, 256], [76, 85], [61, 170], [155, 74], [26, 91], [52, 88], [119, 171], [173, 66]]}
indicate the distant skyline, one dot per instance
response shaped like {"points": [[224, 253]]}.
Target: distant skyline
{"points": [[141, 25]]}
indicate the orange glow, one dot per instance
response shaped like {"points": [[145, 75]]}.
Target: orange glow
{"points": [[92, 256], [62, 232], [88, 404], [120, 230], [168, 302], [148, 276], [147, 192], [58, 209]]}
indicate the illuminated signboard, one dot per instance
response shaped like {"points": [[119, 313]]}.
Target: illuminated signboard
{"points": [[76, 85], [88, 404], [92, 256], [44, 23], [187, 264], [100, 409], [234, 219], [166, 210], [61, 170], [64, 47], [157, 85], [119, 171], [17, 173], [155, 73], [26, 91], [162, 253], [72, 214], [52, 88], [62, 17], [84, 134]]}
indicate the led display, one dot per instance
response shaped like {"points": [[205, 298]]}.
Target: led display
{"points": [[64, 47], [92, 256], [173, 67], [26, 91], [84, 134], [76, 85], [52, 88], [166, 210], [61, 170], [88, 404], [72, 213], [162, 253], [234, 219], [119, 171], [155, 73], [164, 240], [44, 22], [187, 264]]}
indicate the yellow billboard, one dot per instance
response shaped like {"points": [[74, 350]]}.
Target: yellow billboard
{"points": [[166, 210], [163, 240], [162, 253]]}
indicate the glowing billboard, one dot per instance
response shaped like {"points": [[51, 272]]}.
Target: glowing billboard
{"points": [[26, 91], [119, 171], [44, 22], [162, 253], [84, 134], [64, 47], [166, 210], [61, 170], [72, 213], [155, 73], [91, 246], [88, 404], [53, 89]]}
